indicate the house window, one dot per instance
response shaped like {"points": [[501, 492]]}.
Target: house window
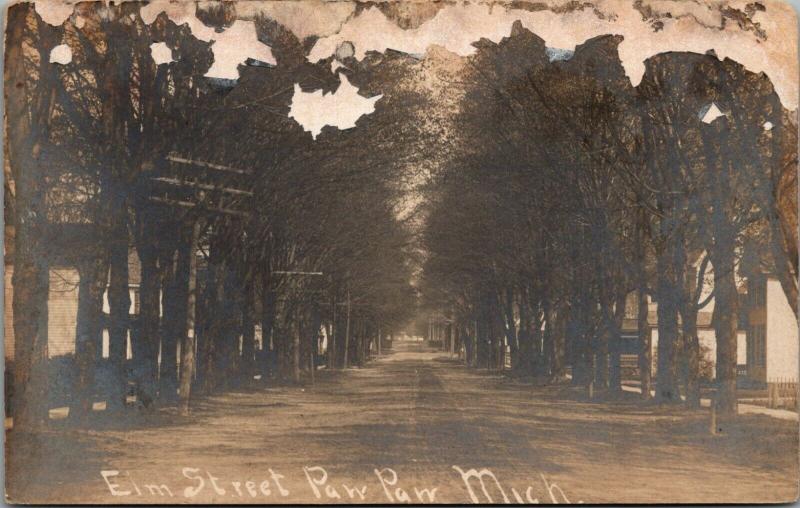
{"points": [[135, 301], [757, 291], [632, 306], [755, 324], [106, 344], [758, 345]]}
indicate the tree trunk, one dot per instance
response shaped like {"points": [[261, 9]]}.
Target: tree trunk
{"points": [[29, 404], [726, 312], [496, 333], [217, 350], [692, 346], [146, 351], [89, 334], [603, 339], [537, 363], [203, 324], [331, 333], [268, 308], [248, 334], [668, 295], [691, 341], [548, 340], [615, 367], [575, 341], [119, 302], [645, 345], [172, 323], [363, 352], [279, 340], [583, 358], [347, 331], [314, 328], [295, 347], [722, 253], [559, 337], [525, 339], [228, 329], [211, 318], [469, 343], [27, 122], [645, 363], [482, 349], [511, 328]]}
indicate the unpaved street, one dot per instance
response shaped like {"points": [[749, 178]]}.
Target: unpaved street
{"points": [[400, 427]]}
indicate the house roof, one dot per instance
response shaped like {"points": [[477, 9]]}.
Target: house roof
{"points": [[66, 243]]}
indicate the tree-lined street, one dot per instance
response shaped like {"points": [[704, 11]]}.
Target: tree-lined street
{"points": [[419, 413]]}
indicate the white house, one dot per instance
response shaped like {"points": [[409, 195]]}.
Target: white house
{"points": [[768, 338]]}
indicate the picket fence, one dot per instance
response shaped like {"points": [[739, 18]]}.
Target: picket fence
{"points": [[782, 393]]}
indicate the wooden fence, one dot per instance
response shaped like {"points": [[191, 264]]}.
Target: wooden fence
{"points": [[782, 393]]}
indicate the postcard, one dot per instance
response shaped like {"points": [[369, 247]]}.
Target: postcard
{"points": [[401, 252]]}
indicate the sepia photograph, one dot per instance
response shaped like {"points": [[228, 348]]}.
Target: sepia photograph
{"points": [[400, 252]]}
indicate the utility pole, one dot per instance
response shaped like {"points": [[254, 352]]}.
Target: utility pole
{"points": [[190, 337]]}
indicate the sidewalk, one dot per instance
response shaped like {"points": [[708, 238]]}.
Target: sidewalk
{"points": [[781, 414]]}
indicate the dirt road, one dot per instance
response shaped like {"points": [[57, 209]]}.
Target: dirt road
{"points": [[404, 428]]}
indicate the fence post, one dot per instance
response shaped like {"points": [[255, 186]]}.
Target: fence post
{"points": [[770, 395], [713, 423]]}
